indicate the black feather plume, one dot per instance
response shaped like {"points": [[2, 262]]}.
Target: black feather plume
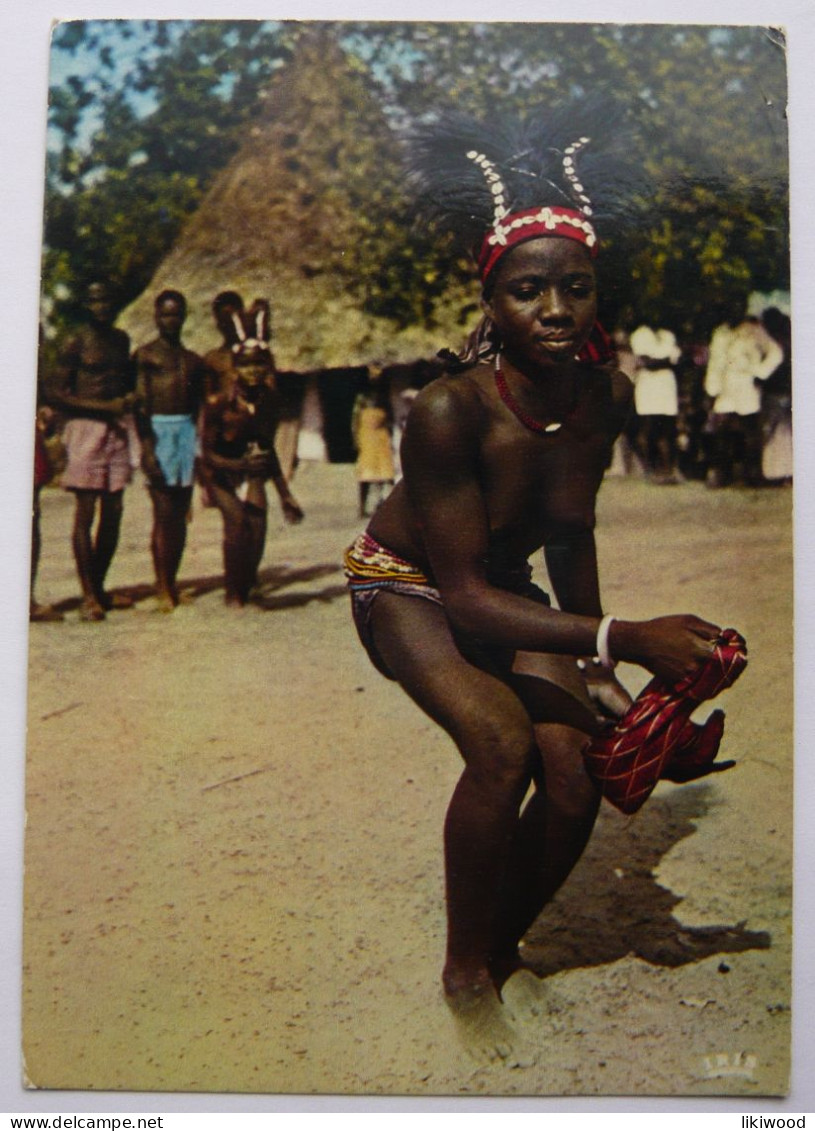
{"points": [[528, 157]]}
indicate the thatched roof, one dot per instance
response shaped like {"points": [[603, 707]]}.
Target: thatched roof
{"points": [[282, 218]]}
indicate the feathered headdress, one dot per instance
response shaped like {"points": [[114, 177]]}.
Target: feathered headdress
{"points": [[567, 172], [253, 329]]}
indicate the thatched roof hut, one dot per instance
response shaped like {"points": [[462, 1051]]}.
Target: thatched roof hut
{"points": [[286, 220]]}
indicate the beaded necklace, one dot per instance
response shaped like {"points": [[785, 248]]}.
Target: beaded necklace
{"points": [[506, 396], [243, 401]]}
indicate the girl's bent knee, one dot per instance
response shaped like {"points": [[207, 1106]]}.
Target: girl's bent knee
{"points": [[573, 792], [502, 754]]}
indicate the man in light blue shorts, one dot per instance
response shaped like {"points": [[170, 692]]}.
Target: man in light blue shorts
{"points": [[170, 386]]}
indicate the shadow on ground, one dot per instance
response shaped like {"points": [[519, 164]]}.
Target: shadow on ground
{"points": [[613, 906], [265, 597]]}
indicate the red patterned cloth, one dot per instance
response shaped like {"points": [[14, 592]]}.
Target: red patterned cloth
{"points": [[655, 737]]}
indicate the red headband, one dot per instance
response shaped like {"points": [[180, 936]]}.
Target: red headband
{"points": [[517, 227]]}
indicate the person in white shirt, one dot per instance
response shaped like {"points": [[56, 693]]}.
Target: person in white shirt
{"points": [[656, 400], [742, 354]]}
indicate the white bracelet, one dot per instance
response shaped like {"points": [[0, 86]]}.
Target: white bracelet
{"points": [[603, 654]]}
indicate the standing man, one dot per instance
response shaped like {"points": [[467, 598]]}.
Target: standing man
{"points": [[94, 387], [742, 355], [170, 387], [219, 364], [227, 310]]}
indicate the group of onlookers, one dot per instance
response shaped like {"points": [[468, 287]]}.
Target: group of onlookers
{"points": [[721, 412], [178, 416], [718, 412]]}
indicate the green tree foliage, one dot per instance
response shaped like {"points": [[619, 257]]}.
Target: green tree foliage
{"points": [[709, 103], [115, 207], [306, 212]]}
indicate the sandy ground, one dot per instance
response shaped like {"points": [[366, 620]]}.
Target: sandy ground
{"points": [[233, 857]]}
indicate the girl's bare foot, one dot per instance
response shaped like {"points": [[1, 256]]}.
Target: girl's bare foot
{"points": [[483, 1027]]}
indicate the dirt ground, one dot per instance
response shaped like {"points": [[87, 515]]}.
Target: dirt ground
{"points": [[233, 848]]}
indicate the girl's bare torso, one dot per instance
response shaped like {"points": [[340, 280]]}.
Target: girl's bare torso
{"points": [[533, 486]]}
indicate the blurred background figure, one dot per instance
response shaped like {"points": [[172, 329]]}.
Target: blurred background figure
{"points": [[219, 364], [220, 361], [742, 355], [776, 403], [624, 458], [42, 476], [170, 388], [691, 453], [402, 406], [44, 426], [371, 427], [239, 457], [656, 401], [94, 388]]}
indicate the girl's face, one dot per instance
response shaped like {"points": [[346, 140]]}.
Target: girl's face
{"points": [[543, 301]]}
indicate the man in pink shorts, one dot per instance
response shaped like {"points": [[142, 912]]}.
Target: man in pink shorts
{"points": [[94, 386]]}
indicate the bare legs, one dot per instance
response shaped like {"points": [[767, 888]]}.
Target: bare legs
{"points": [[381, 490], [36, 611], [170, 508], [656, 446], [551, 834], [502, 865], [244, 537], [93, 554], [736, 450]]}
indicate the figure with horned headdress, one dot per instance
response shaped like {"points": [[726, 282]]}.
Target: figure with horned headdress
{"points": [[501, 457], [238, 452]]}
